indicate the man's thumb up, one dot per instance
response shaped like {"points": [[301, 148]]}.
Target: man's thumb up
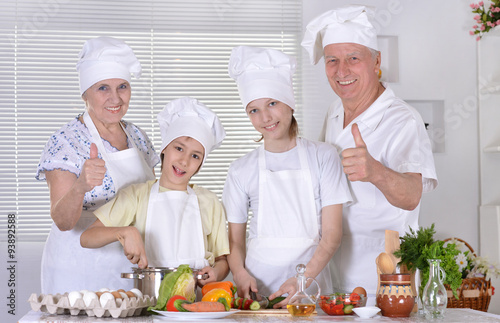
{"points": [[358, 140], [93, 151]]}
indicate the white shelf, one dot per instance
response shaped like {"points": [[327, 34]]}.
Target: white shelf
{"points": [[388, 46], [432, 112], [491, 88], [492, 149]]}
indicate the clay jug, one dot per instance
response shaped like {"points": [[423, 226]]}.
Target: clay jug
{"points": [[395, 297]]}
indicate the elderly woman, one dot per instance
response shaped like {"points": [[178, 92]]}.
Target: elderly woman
{"points": [[85, 163]]}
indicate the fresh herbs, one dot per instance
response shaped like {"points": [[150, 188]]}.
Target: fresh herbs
{"points": [[418, 246], [412, 245], [447, 256]]}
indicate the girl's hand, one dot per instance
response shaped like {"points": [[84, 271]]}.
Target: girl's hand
{"points": [[289, 287], [245, 283]]}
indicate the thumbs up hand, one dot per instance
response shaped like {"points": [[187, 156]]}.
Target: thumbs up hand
{"points": [[358, 164], [93, 171]]}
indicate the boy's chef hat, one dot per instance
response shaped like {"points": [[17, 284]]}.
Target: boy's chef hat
{"points": [[262, 73], [350, 24], [105, 58], [189, 117]]}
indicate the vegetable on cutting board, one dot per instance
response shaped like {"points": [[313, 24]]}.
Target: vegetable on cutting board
{"points": [[245, 304], [275, 301]]}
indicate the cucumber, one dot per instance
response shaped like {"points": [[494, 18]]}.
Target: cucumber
{"points": [[254, 306], [348, 309], [275, 301], [178, 305]]}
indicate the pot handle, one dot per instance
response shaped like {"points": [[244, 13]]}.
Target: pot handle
{"points": [[133, 276]]}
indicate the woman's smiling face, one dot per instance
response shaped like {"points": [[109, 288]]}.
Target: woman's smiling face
{"points": [[182, 159], [108, 100]]}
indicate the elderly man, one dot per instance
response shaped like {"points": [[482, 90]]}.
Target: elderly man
{"points": [[386, 151]]}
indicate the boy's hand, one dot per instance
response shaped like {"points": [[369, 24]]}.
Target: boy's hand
{"points": [[212, 275], [133, 247]]}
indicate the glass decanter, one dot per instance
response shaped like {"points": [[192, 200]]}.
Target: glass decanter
{"points": [[434, 297], [301, 303]]}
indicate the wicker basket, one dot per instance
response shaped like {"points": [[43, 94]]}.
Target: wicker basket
{"points": [[474, 293]]}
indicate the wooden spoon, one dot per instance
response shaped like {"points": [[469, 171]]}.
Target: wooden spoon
{"points": [[385, 263]]}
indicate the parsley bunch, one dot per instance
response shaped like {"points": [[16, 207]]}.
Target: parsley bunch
{"points": [[418, 246]]}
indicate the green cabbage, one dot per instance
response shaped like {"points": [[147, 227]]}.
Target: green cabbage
{"points": [[185, 286], [181, 282]]}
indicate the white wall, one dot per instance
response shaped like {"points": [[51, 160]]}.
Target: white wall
{"points": [[437, 61]]}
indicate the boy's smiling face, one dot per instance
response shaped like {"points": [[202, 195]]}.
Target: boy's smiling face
{"points": [[182, 159]]}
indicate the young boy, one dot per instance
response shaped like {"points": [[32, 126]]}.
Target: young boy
{"points": [[168, 220]]}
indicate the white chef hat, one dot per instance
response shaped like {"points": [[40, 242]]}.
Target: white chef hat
{"points": [[188, 117], [350, 24], [263, 73], [105, 58]]}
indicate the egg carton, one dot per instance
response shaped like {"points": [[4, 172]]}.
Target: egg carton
{"points": [[59, 304]]}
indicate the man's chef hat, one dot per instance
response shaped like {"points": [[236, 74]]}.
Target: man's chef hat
{"points": [[189, 117], [105, 58], [350, 24], [262, 73]]}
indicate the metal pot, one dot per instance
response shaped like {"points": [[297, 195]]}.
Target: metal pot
{"points": [[148, 280]]}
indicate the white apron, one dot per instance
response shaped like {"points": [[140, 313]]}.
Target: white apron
{"points": [[287, 228], [66, 266], [174, 233]]}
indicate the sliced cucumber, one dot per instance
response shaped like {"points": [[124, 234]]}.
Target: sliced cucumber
{"points": [[348, 309]]}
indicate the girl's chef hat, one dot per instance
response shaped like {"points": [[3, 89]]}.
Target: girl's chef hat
{"points": [[105, 58], [189, 117], [350, 24], [262, 73]]}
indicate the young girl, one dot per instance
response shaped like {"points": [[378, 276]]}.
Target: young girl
{"points": [[179, 223], [295, 187]]}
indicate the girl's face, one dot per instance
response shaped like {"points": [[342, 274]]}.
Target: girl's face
{"points": [[182, 159], [107, 100], [272, 118]]}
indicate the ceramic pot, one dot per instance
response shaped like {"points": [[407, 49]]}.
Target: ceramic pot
{"points": [[395, 297]]}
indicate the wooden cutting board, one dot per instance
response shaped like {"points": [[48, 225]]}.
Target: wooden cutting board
{"points": [[280, 311]]}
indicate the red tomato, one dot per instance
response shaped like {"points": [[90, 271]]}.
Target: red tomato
{"points": [[355, 297], [170, 304]]}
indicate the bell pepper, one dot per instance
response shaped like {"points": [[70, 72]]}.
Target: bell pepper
{"points": [[227, 285], [216, 293]]}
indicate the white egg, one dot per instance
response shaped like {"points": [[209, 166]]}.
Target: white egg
{"points": [[105, 298], [137, 292], [83, 291], [73, 297], [103, 290], [88, 297], [124, 296]]}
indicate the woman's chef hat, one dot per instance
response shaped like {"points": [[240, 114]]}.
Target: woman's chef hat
{"points": [[350, 24], [105, 58], [262, 73], [189, 117]]}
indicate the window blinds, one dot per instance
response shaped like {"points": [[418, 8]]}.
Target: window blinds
{"points": [[184, 48]]}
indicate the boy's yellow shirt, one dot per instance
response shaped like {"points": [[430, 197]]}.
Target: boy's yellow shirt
{"points": [[130, 205]]}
